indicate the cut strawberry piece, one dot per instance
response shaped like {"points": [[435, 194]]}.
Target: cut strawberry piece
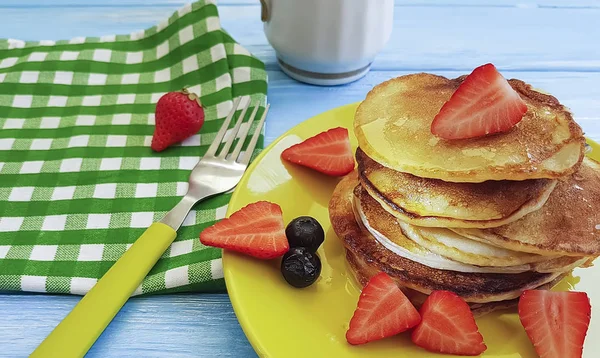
{"points": [[383, 311], [448, 326], [328, 152], [556, 322], [484, 103], [257, 230]]}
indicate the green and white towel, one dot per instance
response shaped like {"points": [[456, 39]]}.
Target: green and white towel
{"points": [[78, 180]]}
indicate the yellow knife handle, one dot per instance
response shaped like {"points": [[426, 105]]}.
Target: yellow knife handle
{"points": [[80, 329]]}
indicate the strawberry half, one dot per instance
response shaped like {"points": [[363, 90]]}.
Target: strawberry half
{"points": [[556, 322], [448, 326], [383, 311], [328, 152], [483, 104], [256, 230]]}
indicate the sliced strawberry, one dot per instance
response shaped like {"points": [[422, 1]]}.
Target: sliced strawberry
{"points": [[484, 103], [383, 311], [256, 229], [556, 322], [328, 152], [448, 326]]}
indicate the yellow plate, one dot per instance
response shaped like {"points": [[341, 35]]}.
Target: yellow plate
{"points": [[282, 321]]}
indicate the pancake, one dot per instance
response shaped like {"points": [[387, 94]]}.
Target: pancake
{"points": [[456, 247], [436, 203], [568, 224], [403, 240], [473, 287], [380, 225], [362, 272], [438, 241], [393, 123]]}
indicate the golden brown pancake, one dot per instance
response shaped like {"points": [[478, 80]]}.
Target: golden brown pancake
{"points": [[473, 287], [393, 123], [389, 233], [403, 240], [436, 203], [568, 224]]}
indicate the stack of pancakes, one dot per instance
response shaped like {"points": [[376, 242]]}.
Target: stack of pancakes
{"points": [[486, 218]]}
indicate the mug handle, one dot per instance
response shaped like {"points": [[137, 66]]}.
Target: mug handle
{"points": [[265, 14]]}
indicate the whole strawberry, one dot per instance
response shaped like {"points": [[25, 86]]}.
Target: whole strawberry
{"points": [[179, 115]]}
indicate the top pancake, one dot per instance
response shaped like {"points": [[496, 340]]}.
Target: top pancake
{"points": [[393, 123]]}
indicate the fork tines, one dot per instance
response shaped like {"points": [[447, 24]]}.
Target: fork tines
{"points": [[236, 133]]}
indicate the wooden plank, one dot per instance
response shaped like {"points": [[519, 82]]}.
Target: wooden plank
{"points": [[65, 23], [424, 38], [159, 326], [433, 3]]}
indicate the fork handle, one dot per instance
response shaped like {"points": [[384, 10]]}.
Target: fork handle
{"points": [[80, 329]]}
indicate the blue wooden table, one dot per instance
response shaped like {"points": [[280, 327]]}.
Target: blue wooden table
{"points": [[553, 44]]}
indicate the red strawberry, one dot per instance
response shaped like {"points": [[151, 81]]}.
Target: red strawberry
{"points": [[179, 115], [484, 103], [256, 229], [448, 326], [383, 311], [556, 322], [328, 152]]}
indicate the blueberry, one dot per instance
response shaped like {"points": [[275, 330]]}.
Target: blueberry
{"points": [[305, 231], [300, 267]]}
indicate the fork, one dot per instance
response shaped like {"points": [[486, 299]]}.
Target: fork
{"points": [[217, 172]]}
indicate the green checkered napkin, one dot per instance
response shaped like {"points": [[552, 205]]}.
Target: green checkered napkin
{"points": [[78, 180]]}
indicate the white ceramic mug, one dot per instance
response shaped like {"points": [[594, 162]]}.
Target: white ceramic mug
{"points": [[327, 42]]}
